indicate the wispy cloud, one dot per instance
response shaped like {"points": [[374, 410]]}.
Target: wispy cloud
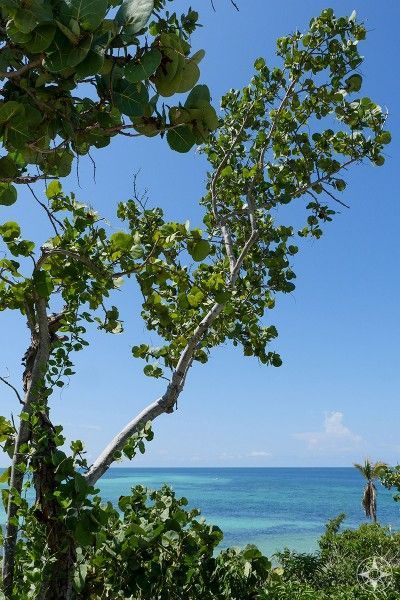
{"points": [[252, 454], [259, 454], [333, 434]]}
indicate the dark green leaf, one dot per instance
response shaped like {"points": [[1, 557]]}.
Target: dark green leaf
{"points": [[130, 98], [88, 13], [8, 194], [181, 139], [144, 67]]}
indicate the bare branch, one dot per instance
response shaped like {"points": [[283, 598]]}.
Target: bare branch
{"points": [[52, 218], [4, 380], [26, 178], [13, 74]]}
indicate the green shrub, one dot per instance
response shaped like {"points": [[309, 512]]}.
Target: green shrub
{"points": [[332, 573], [157, 549]]}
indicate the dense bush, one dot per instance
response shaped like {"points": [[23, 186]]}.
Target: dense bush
{"points": [[155, 548], [332, 572]]}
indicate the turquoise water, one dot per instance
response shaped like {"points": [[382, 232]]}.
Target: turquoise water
{"points": [[270, 507]]}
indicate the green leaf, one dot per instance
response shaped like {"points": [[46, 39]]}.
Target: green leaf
{"points": [[9, 110], [121, 241], [42, 37], [15, 35], [59, 163], [8, 194], [80, 577], [199, 250], [379, 160], [198, 56], [144, 67], [53, 189], [130, 98], [181, 139], [10, 231], [276, 360], [384, 137], [195, 297], [43, 284], [8, 168], [65, 55], [153, 371], [5, 475], [31, 14], [83, 531], [198, 95], [91, 65], [354, 83], [88, 13], [134, 14]]}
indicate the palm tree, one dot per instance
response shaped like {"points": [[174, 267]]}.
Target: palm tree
{"points": [[370, 471]]}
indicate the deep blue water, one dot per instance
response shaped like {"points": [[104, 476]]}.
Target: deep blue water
{"points": [[270, 507]]}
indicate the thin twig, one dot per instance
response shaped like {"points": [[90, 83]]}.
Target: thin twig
{"points": [[52, 218], [4, 380]]}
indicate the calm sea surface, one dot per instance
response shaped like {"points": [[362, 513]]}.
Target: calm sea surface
{"points": [[270, 507]]}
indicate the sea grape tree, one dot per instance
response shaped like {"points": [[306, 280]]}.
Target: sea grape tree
{"points": [[74, 74], [289, 137]]}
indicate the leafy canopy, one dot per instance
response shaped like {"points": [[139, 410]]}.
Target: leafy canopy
{"points": [[74, 74]]}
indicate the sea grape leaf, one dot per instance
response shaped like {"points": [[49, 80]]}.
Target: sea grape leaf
{"points": [[144, 68], [88, 13], [199, 94], [130, 98], [134, 14], [181, 139], [354, 83], [10, 231], [41, 38], [66, 56], [8, 194], [199, 250]]}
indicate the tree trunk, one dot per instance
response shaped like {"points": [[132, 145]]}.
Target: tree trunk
{"points": [[43, 332], [58, 572]]}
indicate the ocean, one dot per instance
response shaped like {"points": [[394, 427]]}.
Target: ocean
{"points": [[270, 507]]}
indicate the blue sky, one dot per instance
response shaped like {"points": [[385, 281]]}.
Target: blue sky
{"points": [[336, 397]]}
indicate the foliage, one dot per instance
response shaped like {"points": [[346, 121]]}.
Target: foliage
{"points": [[332, 571], [291, 133], [78, 73], [390, 478], [152, 547]]}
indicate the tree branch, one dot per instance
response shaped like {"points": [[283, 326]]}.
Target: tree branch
{"points": [[4, 380], [12, 74], [166, 402]]}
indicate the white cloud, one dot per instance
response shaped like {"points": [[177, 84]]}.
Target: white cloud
{"points": [[258, 454], [333, 435], [240, 457]]}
